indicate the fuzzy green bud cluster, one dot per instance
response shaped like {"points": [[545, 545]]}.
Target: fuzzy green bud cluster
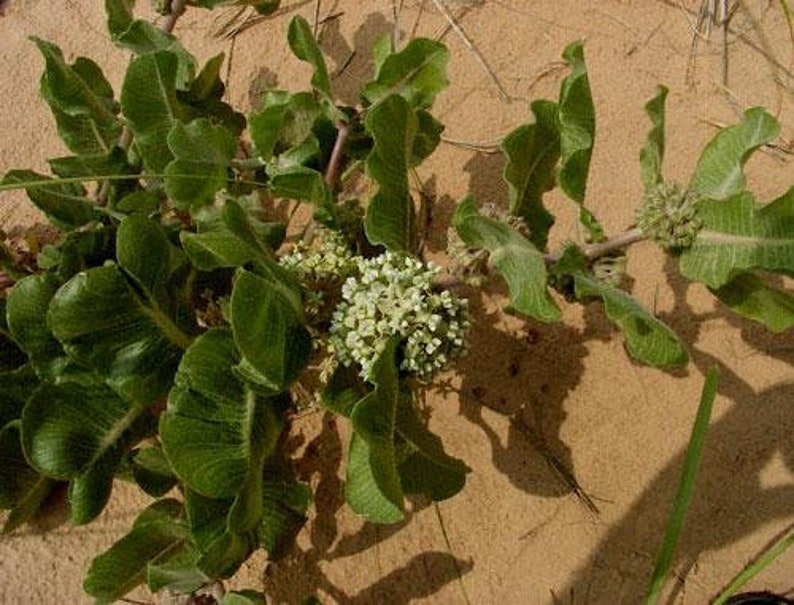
{"points": [[668, 215], [394, 296]]}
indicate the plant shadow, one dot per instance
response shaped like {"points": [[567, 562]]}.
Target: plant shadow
{"points": [[422, 576], [730, 500]]}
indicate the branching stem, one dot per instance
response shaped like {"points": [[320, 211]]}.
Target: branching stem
{"points": [[596, 251]]}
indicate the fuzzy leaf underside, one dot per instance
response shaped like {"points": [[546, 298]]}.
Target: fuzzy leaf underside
{"points": [[513, 256], [739, 235], [719, 172], [531, 155], [390, 215]]}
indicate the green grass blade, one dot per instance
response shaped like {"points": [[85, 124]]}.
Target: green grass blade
{"points": [[686, 484], [755, 567], [115, 177]]}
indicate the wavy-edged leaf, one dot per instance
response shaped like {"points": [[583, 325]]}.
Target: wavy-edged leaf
{"points": [[417, 73], [221, 551], [749, 296], [119, 15], [27, 306], [531, 155], [22, 489], [217, 431], [576, 115], [81, 100], [390, 215], [78, 432], [373, 487], [65, 204], [179, 573], [304, 46], [513, 256], [428, 469], [151, 470], [204, 98], [157, 534], [203, 151], [428, 136], [284, 506], [284, 122], [15, 388], [127, 339], [652, 152], [267, 309], [719, 172], [149, 103], [646, 337], [738, 235]]}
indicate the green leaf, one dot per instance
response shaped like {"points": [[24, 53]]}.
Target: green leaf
{"points": [[149, 103], [217, 431], [304, 46], [157, 534], [65, 204], [513, 256], [81, 100], [285, 122], [749, 296], [373, 488], [80, 250], [428, 469], [201, 150], [577, 125], [92, 167], [127, 338], [179, 573], [718, 174], [203, 99], [27, 306], [647, 338], [243, 597], [428, 136], [284, 505], [119, 15], [265, 310], [22, 489], [151, 470], [90, 490], [531, 153], [738, 235], [15, 388], [652, 152], [301, 183], [417, 73], [390, 215], [143, 37]]}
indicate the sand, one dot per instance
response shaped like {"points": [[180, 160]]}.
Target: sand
{"points": [[527, 393]]}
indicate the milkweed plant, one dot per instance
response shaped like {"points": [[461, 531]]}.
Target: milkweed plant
{"points": [[158, 329]]}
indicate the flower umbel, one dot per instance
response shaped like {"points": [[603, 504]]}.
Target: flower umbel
{"points": [[394, 296]]}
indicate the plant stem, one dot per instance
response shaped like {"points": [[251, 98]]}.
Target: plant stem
{"points": [[177, 8], [596, 251], [335, 163]]}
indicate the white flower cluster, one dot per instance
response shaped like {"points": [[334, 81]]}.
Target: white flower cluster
{"points": [[393, 295], [331, 259]]}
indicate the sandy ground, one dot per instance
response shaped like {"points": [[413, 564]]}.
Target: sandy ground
{"points": [[527, 393]]}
